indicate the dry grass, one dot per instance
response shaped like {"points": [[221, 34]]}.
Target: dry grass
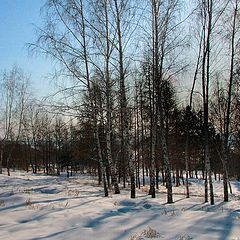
{"points": [[74, 192], [51, 206], [30, 204], [185, 237], [2, 203], [146, 233], [28, 190], [150, 233]]}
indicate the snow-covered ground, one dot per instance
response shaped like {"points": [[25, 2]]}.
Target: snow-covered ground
{"points": [[42, 207]]}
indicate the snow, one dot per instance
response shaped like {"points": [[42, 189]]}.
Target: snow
{"points": [[43, 207]]}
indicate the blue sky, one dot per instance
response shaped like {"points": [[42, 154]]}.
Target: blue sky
{"points": [[17, 21]]}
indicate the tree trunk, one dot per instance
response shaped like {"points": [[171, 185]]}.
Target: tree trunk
{"points": [[158, 59], [1, 160], [229, 101], [123, 102], [207, 30]]}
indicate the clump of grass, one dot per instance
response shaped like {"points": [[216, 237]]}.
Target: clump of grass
{"points": [[173, 212], [53, 206], [146, 233], [61, 205], [74, 192], [136, 237], [150, 233], [30, 204], [28, 190], [185, 237], [2, 203], [165, 212]]}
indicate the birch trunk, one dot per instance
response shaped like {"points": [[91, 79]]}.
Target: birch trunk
{"points": [[229, 101], [1, 158], [207, 30], [91, 99], [123, 101], [153, 129], [109, 103], [158, 59]]}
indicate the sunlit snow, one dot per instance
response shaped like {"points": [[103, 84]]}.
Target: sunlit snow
{"points": [[43, 207]]}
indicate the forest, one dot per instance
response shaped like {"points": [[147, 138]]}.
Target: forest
{"points": [[144, 90]]}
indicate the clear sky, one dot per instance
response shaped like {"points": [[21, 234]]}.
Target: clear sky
{"points": [[17, 21]]}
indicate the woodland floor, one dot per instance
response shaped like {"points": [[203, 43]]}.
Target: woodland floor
{"points": [[43, 207]]}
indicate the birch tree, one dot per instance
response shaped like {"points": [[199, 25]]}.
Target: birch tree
{"points": [[104, 37], [211, 12], [120, 8], [15, 93], [67, 39], [234, 29], [207, 12], [162, 27]]}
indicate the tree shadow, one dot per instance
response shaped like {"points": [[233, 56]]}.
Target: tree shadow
{"points": [[54, 234], [127, 208], [57, 200], [237, 185], [223, 227], [215, 224], [145, 222]]}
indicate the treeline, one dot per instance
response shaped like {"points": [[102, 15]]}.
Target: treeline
{"points": [[53, 146], [119, 112]]}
